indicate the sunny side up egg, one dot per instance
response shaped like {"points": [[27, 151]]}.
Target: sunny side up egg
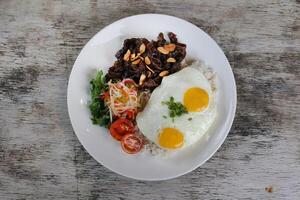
{"points": [[190, 87]]}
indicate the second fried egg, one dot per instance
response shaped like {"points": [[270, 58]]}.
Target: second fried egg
{"points": [[191, 88]]}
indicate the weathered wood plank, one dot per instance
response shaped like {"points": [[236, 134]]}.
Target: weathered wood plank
{"points": [[41, 158]]}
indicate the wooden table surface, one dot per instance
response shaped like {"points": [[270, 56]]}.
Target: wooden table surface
{"points": [[40, 156]]}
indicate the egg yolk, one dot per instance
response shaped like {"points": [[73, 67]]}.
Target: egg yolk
{"points": [[170, 138], [195, 99]]}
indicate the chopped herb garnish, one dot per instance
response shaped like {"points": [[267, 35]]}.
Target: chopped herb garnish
{"points": [[176, 109], [98, 108], [164, 116], [190, 119]]}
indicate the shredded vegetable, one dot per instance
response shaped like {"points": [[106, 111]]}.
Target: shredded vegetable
{"points": [[122, 98]]}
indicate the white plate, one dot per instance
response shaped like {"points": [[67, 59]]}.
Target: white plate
{"points": [[99, 53]]}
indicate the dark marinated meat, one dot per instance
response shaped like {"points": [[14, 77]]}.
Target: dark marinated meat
{"points": [[140, 57], [172, 37], [150, 84]]}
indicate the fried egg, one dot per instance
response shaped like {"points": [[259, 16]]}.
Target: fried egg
{"points": [[191, 88]]}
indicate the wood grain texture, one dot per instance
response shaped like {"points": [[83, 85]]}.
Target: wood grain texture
{"points": [[40, 156]]}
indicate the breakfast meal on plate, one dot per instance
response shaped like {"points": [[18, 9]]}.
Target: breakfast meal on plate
{"points": [[152, 98]]}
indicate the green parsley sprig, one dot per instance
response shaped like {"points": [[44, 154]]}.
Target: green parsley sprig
{"points": [[98, 108], [176, 109]]}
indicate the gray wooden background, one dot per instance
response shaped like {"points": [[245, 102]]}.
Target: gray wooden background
{"points": [[40, 156]]}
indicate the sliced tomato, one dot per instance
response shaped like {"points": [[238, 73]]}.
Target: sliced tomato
{"points": [[131, 143], [129, 83], [121, 127]]}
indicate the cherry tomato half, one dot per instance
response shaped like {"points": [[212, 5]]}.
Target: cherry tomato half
{"points": [[121, 127], [131, 143]]}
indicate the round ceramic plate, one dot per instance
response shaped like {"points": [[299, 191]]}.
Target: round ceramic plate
{"points": [[99, 53]]}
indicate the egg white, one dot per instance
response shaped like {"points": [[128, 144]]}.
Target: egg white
{"points": [[193, 124]]}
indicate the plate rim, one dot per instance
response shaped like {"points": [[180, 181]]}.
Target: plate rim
{"points": [[231, 116]]}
